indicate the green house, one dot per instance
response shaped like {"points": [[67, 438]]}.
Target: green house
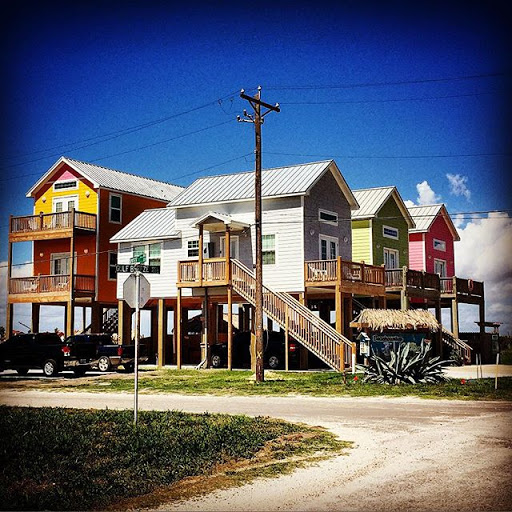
{"points": [[380, 228]]}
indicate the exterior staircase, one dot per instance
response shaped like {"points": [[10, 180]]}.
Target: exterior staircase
{"points": [[316, 335], [461, 347], [110, 321]]}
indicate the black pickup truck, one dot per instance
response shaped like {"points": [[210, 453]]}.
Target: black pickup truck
{"points": [[43, 350], [102, 353]]}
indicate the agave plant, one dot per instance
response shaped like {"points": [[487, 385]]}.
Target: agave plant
{"points": [[406, 366]]}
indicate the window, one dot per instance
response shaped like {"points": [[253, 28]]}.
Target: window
{"points": [[65, 185], [193, 249], [440, 267], [139, 251], [390, 258], [269, 249], [112, 262], [328, 217], [115, 208], [59, 263], [439, 245], [328, 248], [154, 255], [390, 232]]}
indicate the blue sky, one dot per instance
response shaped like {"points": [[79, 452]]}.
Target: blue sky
{"points": [[397, 94]]}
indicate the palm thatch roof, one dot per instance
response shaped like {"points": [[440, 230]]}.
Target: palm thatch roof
{"points": [[381, 319]]}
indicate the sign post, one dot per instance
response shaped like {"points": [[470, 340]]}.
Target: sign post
{"points": [[136, 292]]}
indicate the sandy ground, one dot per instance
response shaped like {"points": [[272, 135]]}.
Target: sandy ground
{"points": [[409, 454]]}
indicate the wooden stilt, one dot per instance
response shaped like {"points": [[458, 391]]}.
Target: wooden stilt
{"points": [[178, 333], [230, 328]]}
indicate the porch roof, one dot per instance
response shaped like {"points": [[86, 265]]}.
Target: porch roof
{"points": [[213, 221], [154, 224]]}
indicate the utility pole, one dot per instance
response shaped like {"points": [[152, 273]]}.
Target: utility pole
{"points": [[257, 119]]}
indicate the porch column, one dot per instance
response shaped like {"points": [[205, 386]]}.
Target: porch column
{"points": [[35, 317], [440, 332], [286, 339], [230, 328], [455, 317], [227, 250], [162, 331], [9, 311], [178, 330], [303, 351], [200, 256], [70, 307], [96, 318], [481, 310], [70, 317]]}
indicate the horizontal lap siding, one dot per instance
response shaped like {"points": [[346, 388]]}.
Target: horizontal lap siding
{"points": [[361, 241], [440, 231], [416, 248]]}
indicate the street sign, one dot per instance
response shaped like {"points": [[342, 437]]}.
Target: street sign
{"points": [[130, 269], [141, 258], [130, 291]]}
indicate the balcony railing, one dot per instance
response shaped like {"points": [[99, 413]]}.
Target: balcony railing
{"points": [[459, 286], [322, 271], [54, 284], [213, 271], [406, 277], [47, 222]]}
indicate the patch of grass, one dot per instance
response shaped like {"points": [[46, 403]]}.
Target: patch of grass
{"points": [[278, 383], [67, 459]]}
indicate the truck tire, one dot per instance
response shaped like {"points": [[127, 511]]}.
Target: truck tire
{"points": [[50, 368], [104, 364], [22, 371], [273, 362], [216, 361], [129, 367]]}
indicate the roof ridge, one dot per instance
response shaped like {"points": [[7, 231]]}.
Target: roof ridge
{"points": [[123, 172], [374, 188], [263, 170]]}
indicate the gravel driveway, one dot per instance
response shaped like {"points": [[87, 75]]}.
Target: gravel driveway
{"points": [[409, 454]]}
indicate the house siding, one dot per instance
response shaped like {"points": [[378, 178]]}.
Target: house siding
{"points": [[416, 251], [440, 231], [326, 195], [361, 241], [390, 215]]}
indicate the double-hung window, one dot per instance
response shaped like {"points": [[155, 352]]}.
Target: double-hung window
{"points": [[269, 249], [115, 205], [193, 248]]}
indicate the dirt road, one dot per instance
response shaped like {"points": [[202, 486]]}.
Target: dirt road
{"points": [[409, 454]]}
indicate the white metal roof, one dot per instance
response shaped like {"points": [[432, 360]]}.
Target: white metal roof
{"points": [[277, 182], [424, 217], [103, 177], [371, 200], [154, 224]]}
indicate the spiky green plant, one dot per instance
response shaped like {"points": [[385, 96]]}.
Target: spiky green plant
{"points": [[406, 366]]}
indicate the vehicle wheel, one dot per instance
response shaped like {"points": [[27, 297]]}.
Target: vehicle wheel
{"points": [[79, 372], [104, 364], [22, 371], [129, 368], [273, 362], [216, 361], [50, 368]]}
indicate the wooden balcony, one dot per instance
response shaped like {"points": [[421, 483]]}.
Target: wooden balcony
{"points": [[50, 288], [212, 272], [414, 283], [352, 277], [50, 226], [464, 290]]}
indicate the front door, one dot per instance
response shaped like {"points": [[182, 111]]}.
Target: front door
{"points": [[390, 258], [234, 248]]}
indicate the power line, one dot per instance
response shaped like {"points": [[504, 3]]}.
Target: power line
{"points": [[329, 155], [130, 129], [381, 84]]}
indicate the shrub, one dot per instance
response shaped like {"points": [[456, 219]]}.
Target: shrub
{"points": [[406, 366]]}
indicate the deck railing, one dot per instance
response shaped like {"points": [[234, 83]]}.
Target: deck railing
{"points": [[53, 221], [398, 277], [452, 285], [51, 284], [213, 271], [331, 270]]}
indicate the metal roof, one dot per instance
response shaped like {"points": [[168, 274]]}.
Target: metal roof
{"points": [[103, 177], [154, 224], [424, 216], [276, 182], [371, 200]]}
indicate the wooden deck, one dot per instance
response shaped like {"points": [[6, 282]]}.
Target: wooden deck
{"points": [[50, 226], [463, 290]]}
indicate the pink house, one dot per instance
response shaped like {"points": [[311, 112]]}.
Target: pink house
{"points": [[431, 241]]}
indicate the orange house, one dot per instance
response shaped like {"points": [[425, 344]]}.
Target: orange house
{"points": [[78, 207]]}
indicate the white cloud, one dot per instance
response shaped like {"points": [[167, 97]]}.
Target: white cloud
{"points": [[409, 203], [483, 254], [458, 185], [425, 194]]}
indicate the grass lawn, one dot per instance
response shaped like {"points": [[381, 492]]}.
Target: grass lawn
{"points": [[66, 459], [239, 382]]}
